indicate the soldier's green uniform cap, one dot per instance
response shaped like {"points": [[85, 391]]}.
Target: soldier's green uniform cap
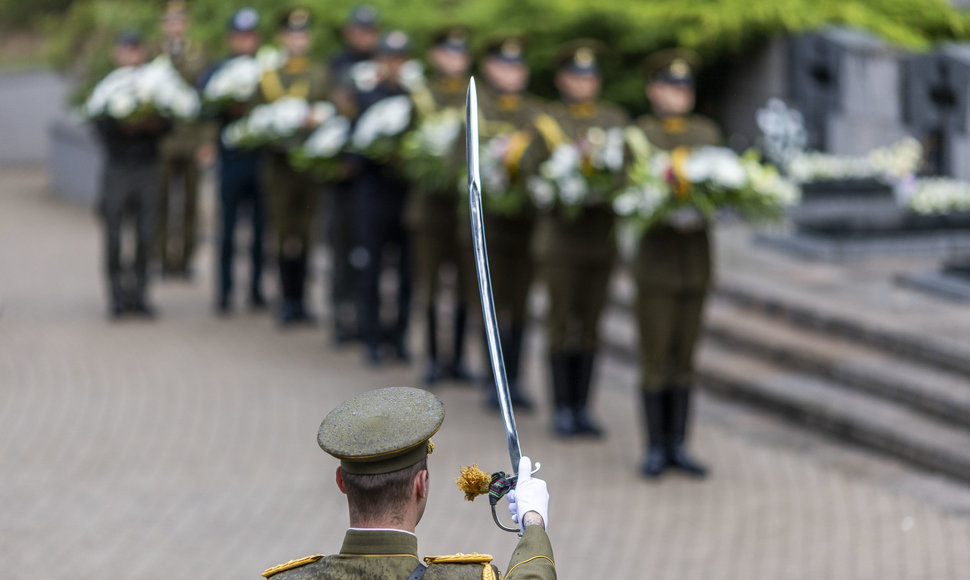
{"points": [[244, 20], [382, 431], [451, 37], [129, 37], [509, 49], [295, 20], [394, 43], [674, 66], [363, 16], [580, 57]]}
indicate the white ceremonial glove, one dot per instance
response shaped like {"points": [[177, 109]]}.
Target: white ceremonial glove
{"points": [[530, 495]]}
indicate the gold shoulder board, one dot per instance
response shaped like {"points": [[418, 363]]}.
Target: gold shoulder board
{"points": [[291, 564], [484, 559], [459, 558]]}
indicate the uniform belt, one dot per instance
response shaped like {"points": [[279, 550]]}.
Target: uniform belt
{"points": [[418, 573]]}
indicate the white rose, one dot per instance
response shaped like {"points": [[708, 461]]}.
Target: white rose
{"points": [[613, 153], [234, 134], [327, 141], [122, 105], [396, 114], [260, 120], [438, 134], [543, 193], [289, 115], [626, 203], [270, 58], [564, 160], [236, 79], [715, 164], [365, 75], [573, 190], [185, 105], [411, 75], [386, 117]]}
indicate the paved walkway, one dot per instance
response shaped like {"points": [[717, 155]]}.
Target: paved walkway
{"points": [[185, 448]]}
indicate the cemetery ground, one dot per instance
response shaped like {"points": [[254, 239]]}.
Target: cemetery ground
{"points": [[185, 447]]}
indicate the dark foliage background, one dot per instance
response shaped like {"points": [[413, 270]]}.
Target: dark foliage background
{"points": [[79, 32]]}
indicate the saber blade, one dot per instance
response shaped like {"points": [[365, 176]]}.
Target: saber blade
{"points": [[484, 277]]}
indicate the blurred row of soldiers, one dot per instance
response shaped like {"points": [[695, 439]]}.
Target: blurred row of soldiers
{"points": [[373, 215]]}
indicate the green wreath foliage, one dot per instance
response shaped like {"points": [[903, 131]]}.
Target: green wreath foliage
{"points": [[719, 30]]}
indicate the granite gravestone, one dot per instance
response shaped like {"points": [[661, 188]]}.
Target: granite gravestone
{"points": [[847, 85], [937, 97]]}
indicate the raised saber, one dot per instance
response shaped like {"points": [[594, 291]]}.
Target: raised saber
{"points": [[484, 277], [485, 286]]}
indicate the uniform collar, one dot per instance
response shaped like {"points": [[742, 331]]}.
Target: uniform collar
{"points": [[452, 84], [296, 64], [509, 101], [583, 110], [379, 542], [674, 124]]}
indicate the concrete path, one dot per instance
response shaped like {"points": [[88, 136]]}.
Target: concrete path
{"points": [[185, 448]]}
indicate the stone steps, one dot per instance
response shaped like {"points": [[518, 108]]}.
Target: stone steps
{"points": [[881, 425], [919, 348], [853, 365], [904, 395]]}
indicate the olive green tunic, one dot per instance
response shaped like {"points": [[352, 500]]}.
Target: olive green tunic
{"points": [[672, 270], [508, 236], [178, 155], [291, 194], [391, 555], [190, 60], [576, 254], [432, 216]]}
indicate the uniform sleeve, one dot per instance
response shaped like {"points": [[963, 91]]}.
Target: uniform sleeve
{"points": [[708, 133], [209, 117], [532, 558], [321, 83]]}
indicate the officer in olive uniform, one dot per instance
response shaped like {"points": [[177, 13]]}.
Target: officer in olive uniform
{"points": [[382, 439], [238, 176], [379, 194], [576, 253], [672, 269], [506, 109], [180, 168], [361, 34], [129, 191], [432, 215], [292, 195]]}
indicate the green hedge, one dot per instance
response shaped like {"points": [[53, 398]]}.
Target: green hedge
{"points": [[717, 29], [17, 14]]}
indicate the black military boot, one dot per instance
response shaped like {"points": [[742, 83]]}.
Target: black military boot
{"points": [[457, 369], [433, 372], [564, 417], [256, 300], [582, 377], [677, 414], [304, 315], [655, 459], [288, 309], [513, 357]]}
